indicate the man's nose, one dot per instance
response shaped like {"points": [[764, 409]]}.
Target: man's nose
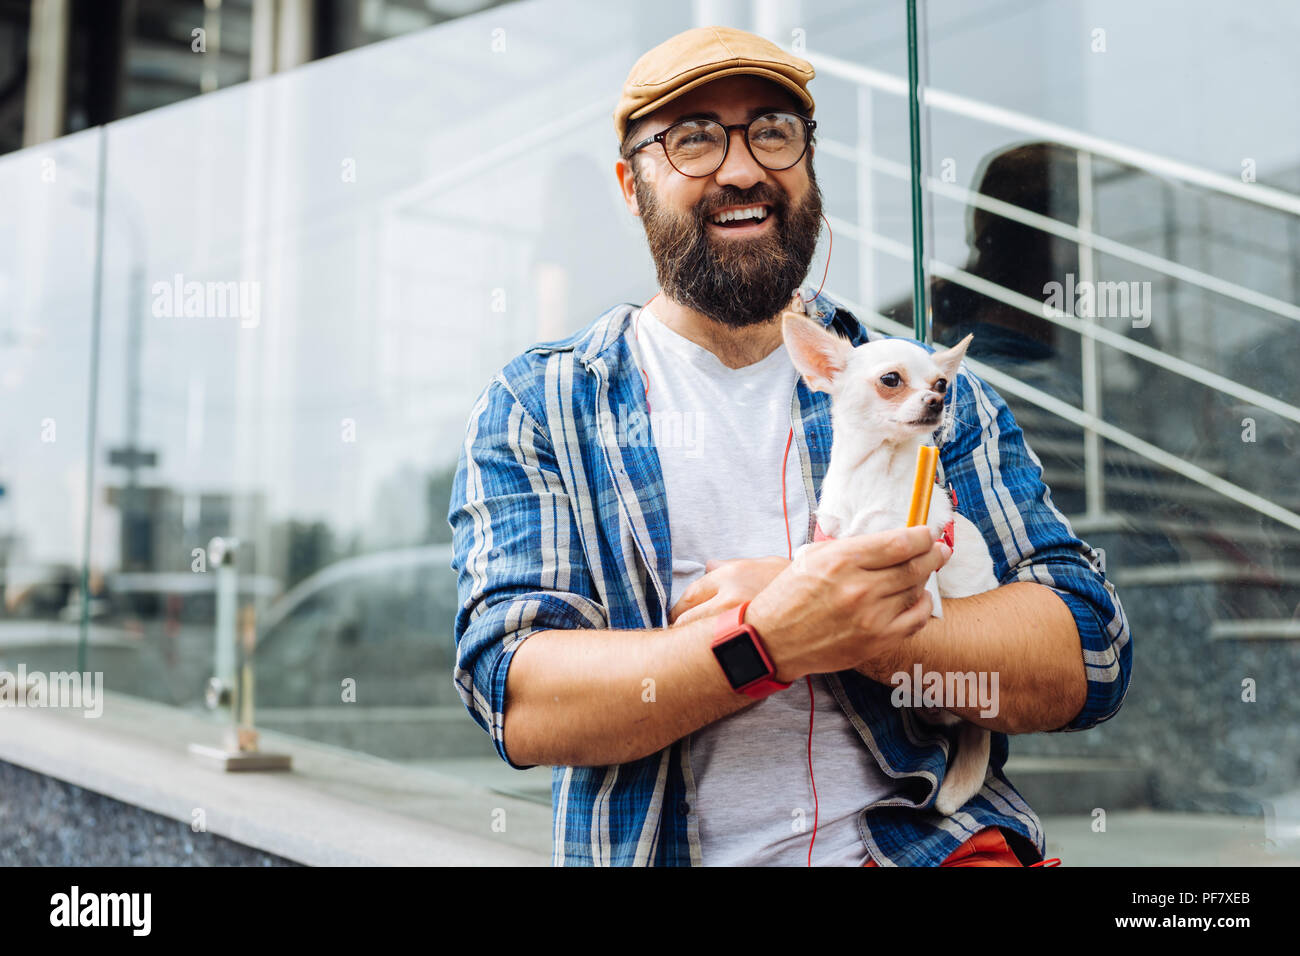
{"points": [[739, 169]]}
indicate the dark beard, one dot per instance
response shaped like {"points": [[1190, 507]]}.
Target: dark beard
{"points": [[735, 282]]}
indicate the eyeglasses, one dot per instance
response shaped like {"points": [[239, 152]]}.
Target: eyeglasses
{"points": [[698, 147]]}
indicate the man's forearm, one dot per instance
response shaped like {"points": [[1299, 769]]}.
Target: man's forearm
{"points": [[1022, 631], [595, 698]]}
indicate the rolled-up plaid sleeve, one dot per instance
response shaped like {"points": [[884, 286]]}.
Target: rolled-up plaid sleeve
{"points": [[516, 551], [999, 485]]}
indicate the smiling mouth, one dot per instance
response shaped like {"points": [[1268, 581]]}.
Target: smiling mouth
{"points": [[741, 218]]}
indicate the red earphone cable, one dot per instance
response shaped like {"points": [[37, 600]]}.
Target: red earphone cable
{"points": [[812, 709], [830, 244], [636, 334], [789, 547], [830, 240]]}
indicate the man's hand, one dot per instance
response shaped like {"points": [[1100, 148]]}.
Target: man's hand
{"points": [[841, 603], [725, 584]]}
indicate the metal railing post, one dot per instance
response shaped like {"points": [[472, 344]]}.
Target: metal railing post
{"points": [[866, 198], [920, 298], [1094, 491]]}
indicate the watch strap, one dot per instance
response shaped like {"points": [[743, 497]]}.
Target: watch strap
{"points": [[730, 625]]}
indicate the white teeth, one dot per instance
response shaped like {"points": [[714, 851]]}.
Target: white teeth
{"points": [[750, 212]]}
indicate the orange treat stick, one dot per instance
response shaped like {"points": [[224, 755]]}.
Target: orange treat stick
{"points": [[927, 459]]}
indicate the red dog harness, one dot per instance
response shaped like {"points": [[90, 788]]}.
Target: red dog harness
{"points": [[948, 537]]}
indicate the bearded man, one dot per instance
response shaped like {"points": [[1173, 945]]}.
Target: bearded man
{"points": [[629, 611]]}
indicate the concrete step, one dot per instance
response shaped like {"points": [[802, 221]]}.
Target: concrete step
{"points": [[1056, 785], [1214, 572], [1129, 523], [1164, 489], [1265, 629]]}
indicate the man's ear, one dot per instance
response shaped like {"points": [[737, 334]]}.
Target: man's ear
{"points": [[949, 359], [627, 185], [820, 356]]}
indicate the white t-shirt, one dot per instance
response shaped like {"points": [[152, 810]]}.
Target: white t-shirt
{"points": [[720, 434]]}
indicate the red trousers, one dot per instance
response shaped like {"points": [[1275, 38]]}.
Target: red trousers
{"points": [[986, 848]]}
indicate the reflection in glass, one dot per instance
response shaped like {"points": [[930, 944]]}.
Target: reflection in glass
{"points": [[1130, 281]]}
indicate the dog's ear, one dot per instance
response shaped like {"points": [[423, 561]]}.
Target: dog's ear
{"points": [[819, 355], [949, 359]]}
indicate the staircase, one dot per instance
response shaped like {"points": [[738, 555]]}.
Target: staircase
{"points": [[1212, 593]]}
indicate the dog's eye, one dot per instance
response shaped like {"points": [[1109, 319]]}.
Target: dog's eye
{"points": [[891, 380], [941, 386]]}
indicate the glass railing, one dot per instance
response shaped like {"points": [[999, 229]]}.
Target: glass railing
{"points": [[48, 254], [1111, 207], [304, 283], [297, 286]]}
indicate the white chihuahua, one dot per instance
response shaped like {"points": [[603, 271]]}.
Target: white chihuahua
{"points": [[887, 400]]}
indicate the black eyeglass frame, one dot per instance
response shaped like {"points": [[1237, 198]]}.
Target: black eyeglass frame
{"points": [[809, 126]]}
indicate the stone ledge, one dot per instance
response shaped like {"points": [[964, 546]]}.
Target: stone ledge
{"points": [[335, 808], [49, 822]]}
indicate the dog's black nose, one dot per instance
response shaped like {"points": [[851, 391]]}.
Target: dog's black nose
{"points": [[934, 404]]}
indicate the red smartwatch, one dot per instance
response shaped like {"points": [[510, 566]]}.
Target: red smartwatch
{"points": [[742, 656]]}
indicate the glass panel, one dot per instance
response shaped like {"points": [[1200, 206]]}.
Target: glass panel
{"points": [[1116, 216], [311, 279], [47, 256], [861, 156]]}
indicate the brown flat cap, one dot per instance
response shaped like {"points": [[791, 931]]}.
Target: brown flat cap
{"points": [[698, 56]]}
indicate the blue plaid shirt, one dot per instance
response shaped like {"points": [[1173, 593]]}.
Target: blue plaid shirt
{"points": [[560, 524]]}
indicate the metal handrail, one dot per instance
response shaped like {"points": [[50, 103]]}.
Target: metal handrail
{"points": [[1110, 247], [1196, 373], [1013, 386], [1095, 427], [1041, 129]]}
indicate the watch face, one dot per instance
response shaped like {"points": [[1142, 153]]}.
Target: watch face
{"points": [[740, 660]]}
